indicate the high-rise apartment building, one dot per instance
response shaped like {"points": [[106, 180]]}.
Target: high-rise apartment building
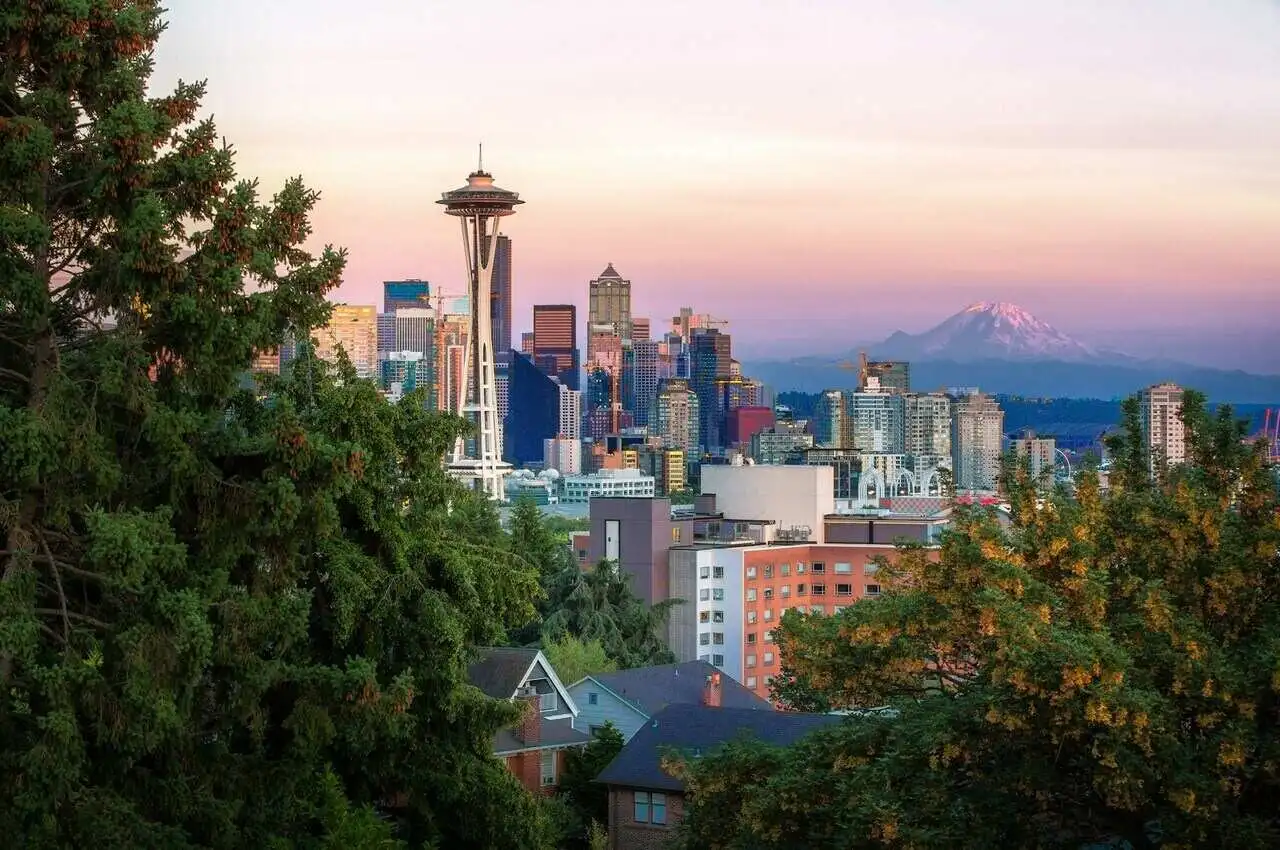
{"points": [[890, 375], [1040, 453], [555, 335], [570, 413], [676, 417], [415, 329], [645, 378], [928, 424], [977, 442], [829, 430], [711, 358], [610, 303], [354, 328], [1162, 428], [876, 423]]}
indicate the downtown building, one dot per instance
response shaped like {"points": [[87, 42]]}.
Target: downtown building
{"points": [[353, 328], [1160, 413], [977, 442]]}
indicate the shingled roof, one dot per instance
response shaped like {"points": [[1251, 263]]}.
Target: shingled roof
{"points": [[650, 689], [499, 670], [700, 728]]}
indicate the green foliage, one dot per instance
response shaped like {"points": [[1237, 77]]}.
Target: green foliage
{"points": [[588, 799], [574, 658], [224, 623], [683, 497], [599, 606], [1104, 672]]}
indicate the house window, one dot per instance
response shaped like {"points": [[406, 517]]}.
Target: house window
{"points": [[650, 807], [751, 572], [675, 534], [819, 568], [844, 590], [704, 616], [817, 609], [768, 593], [751, 617], [704, 639], [786, 591], [658, 806], [751, 637], [717, 572], [717, 616], [870, 569], [768, 614], [549, 701], [873, 590], [844, 568], [768, 658], [593, 698], [548, 767], [704, 572], [800, 568], [768, 636], [642, 807]]}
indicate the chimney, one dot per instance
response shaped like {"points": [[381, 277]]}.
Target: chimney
{"points": [[711, 691], [530, 733]]}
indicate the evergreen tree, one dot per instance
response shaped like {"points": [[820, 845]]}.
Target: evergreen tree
{"points": [[223, 623], [574, 658], [599, 605], [1102, 673]]}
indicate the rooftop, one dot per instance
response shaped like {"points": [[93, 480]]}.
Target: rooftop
{"points": [[499, 670], [651, 689]]}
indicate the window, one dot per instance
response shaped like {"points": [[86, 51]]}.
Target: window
{"points": [[704, 572], [717, 594], [844, 568], [800, 590], [593, 730], [704, 594], [717, 638], [593, 698], [819, 590], [704, 616], [751, 594], [768, 636], [768, 658], [751, 616], [800, 568], [650, 807], [751, 637], [870, 569], [548, 701], [768, 614], [844, 590], [751, 572], [642, 807], [717, 660], [717, 616], [786, 591], [784, 570], [751, 681], [873, 590], [548, 767], [704, 639], [819, 568], [837, 609], [768, 570], [768, 593], [717, 572], [751, 659], [675, 534]]}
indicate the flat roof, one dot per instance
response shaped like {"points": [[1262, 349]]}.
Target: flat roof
{"points": [[912, 518]]}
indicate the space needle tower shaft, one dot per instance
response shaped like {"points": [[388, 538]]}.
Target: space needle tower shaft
{"points": [[479, 206]]}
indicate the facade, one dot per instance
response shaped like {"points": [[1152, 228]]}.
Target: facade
{"points": [[629, 698], [794, 498], [829, 430], [710, 361], [1040, 452], [635, 533], [609, 304], [676, 418], [386, 332], [526, 343], [928, 424], [397, 294], [500, 296], [890, 375], [415, 330], [645, 377], [876, 422], [780, 443], [1161, 416], [640, 329], [534, 749], [570, 413], [977, 442], [645, 802], [555, 335], [745, 422], [563, 454], [535, 412], [354, 329], [667, 465], [607, 482], [401, 372]]}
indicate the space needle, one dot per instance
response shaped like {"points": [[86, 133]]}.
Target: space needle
{"points": [[479, 205]]}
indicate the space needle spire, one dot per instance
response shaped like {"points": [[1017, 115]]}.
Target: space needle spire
{"points": [[479, 205]]}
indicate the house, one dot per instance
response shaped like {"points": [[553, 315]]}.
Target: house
{"points": [[646, 803], [533, 749], [628, 698]]}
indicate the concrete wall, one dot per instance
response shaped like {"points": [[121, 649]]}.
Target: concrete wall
{"points": [[789, 495]]}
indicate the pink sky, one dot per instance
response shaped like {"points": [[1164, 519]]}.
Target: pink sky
{"points": [[859, 166]]}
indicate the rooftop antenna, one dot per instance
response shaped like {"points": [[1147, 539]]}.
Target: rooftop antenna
{"points": [[481, 164]]}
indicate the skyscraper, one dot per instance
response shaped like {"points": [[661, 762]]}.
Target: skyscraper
{"points": [[405, 293], [928, 428], [610, 303], [1161, 416], [645, 380], [891, 375], [1041, 454], [875, 422], [639, 329], [977, 442], [500, 297], [534, 414], [354, 328], [676, 416], [829, 429], [555, 334], [415, 329], [711, 359]]}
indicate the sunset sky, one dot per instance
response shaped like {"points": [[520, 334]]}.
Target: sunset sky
{"points": [[857, 166]]}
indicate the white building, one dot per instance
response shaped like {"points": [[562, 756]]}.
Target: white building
{"points": [[795, 497], [562, 454], [1161, 412], [607, 482], [977, 442], [709, 626], [571, 415]]}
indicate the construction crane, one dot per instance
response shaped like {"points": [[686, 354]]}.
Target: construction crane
{"points": [[442, 355], [860, 367]]}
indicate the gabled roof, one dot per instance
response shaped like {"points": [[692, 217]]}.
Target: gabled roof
{"points": [[649, 689], [699, 728], [501, 670]]}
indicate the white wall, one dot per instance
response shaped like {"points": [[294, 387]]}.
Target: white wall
{"points": [[788, 495]]}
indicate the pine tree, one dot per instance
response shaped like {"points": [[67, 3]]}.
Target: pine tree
{"points": [[224, 622]]}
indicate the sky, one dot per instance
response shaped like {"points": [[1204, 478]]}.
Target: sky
{"points": [[818, 173]]}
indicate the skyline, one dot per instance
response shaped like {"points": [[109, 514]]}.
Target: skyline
{"points": [[691, 156]]}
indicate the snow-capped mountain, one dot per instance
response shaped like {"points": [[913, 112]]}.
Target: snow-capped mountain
{"points": [[988, 330]]}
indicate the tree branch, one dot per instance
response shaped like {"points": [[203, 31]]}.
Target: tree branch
{"points": [[83, 618], [57, 578]]}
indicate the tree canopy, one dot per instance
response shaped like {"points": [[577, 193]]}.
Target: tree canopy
{"points": [[225, 621], [1101, 670]]}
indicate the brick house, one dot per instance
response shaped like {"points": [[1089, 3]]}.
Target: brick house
{"points": [[646, 803], [534, 748]]}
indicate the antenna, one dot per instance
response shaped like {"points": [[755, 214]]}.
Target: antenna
{"points": [[480, 167]]}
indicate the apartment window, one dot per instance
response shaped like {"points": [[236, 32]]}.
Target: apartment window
{"points": [[819, 568], [751, 616], [717, 616], [717, 638], [784, 570], [704, 572], [768, 636], [717, 660], [768, 593], [873, 590], [786, 591], [844, 568], [844, 590], [800, 590], [675, 534], [717, 594], [593, 698], [704, 616], [751, 594], [800, 568], [768, 614], [704, 594], [768, 658], [819, 590], [751, 660], [704, 639], [717, 572], [751, 681], [837, 609], [548, 767], [817, 609], [751, 572], [751, 637], [768, 570], [870, 569]]}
